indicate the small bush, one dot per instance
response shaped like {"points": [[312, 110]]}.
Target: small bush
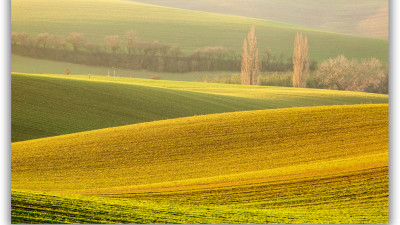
{"points": [[67, 71], [155, 77]]}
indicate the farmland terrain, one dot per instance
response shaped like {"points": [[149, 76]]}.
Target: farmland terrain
{"points": [[101, 146], [49, 105], [307, 165], [337, 16]]}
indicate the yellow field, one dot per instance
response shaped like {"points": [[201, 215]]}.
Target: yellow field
{"points": [[262, 166], [254, 144]]}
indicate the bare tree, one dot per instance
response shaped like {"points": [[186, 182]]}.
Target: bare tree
{"points": [[301, 63], [75, 39], [112, 42], [175, 51], [250, 66], [367, 75], [256, 69], [57, 41], [131, 39], [14, 38], [92, 47], [67, 71], [18, 38], [341, 73], [22, 38], [245, 73], [334, 73], [43, 39]]}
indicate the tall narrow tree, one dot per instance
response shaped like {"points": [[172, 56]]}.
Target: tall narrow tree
{"points": [[244, 74], [250, 61], [301, 67]]}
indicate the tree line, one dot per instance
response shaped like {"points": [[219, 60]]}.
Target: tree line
{"points": [[340, 73], [132, 53]]}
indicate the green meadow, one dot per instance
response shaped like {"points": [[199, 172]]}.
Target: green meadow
{"points": [[329, 15], [23, 64]]}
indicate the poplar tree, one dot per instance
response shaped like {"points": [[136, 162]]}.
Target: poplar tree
{"points": [[250, 62], [301, 67]]}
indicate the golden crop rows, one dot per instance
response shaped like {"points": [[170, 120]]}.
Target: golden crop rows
{"points": [[302, 165]]}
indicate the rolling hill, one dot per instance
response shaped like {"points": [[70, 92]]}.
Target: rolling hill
{"points": [[187, 28], [324, 164], [358, 17], [49, 105]]}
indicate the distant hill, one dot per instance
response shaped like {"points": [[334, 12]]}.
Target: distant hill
{"points": [[358, 17], [188, 29]]}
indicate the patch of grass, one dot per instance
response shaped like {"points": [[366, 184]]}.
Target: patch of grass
{"points": [[189, 29], [48, 105]]}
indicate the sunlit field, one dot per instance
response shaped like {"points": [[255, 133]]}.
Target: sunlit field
{"points": [[278, 165], [134, 113]]}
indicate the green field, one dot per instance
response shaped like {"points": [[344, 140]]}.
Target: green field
{"points": [[49, 105], [188, 29], [23, 64], [301, 165], [329, 15]]}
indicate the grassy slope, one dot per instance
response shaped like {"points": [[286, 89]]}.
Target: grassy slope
{"points": [[323, 165], [331, 15], [48, 105], [189, 29], [23, 64], [44, 107]]}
